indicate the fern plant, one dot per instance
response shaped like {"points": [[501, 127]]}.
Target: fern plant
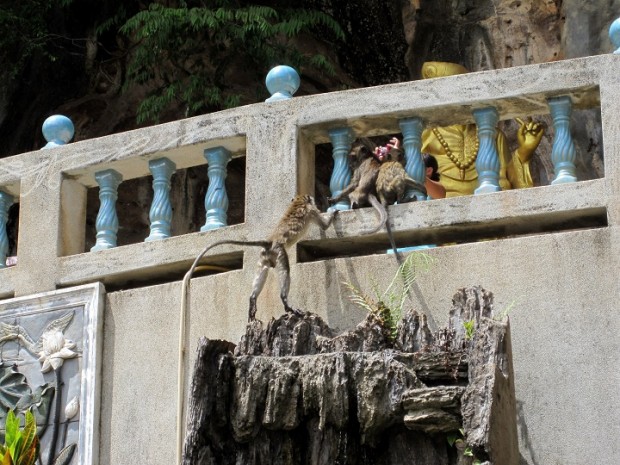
{"points": [[187, 49], [21, 446], [388, 304]]}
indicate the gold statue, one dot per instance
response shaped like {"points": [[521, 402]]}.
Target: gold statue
{"points": [[456, 147]]}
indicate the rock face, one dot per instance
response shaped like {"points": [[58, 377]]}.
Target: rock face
{"points": [[293, 393]]}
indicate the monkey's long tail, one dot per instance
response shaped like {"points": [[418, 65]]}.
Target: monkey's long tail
{"points": [[182, 330], [385, 220], [388, 228], [383, 215]]}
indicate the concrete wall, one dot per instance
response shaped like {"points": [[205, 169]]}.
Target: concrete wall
{"points": [[552, 258]]}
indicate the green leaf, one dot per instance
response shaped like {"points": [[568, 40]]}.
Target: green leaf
{"points": [[11, 429], [29, 435], [470, 329]]}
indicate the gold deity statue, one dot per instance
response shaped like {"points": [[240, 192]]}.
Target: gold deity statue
{"points": [[456, 147]]}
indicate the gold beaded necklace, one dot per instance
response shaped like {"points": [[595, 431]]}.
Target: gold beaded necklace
{"points": [[468, 157]]}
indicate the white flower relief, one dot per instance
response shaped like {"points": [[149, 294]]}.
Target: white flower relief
{"points": [[56, 349], [72, 408]]}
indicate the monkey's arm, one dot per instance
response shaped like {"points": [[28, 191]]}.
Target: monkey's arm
{"points": [[319, 218], [415, 185], [434, 189]]}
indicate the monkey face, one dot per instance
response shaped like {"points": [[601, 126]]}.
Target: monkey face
{"points": [[382, 154]]}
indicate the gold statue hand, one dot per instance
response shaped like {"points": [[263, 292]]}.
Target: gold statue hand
{"points": [[528, 136]]}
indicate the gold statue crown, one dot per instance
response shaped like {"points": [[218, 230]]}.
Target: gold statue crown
{"points": [[433, 69]]}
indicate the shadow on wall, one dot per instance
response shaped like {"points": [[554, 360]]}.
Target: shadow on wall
{"points": [[524, 437]]}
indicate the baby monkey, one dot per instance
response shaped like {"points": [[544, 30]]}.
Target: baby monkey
{"points": [[291, 228]]}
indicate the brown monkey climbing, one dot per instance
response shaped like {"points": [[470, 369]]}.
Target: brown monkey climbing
{"points": [[292, 226]]}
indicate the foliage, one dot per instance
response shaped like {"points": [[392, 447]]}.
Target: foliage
{"points": [[394, 296], [21, 446], [470, 328], [503, 314], [456, 439], [26, 29], [187, 49]]}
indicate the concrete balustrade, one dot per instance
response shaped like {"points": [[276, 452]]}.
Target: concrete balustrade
{"points": [[107, 218], [563, 152], [341, 139], [487, 162], [412, 144], [161, 208], [216, 200], [311, 120], [559, 257]]}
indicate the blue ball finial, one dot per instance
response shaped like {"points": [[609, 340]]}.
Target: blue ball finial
{"points": [[282, 82], [614, 35], [57, 130]]}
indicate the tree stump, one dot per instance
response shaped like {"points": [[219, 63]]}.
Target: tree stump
{"points": [[295, 393]]}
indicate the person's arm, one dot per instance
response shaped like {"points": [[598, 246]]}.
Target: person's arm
{"points": [[434, 189]]}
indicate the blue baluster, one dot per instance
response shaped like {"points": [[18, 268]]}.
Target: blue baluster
{"points": [[6, 201], [341, 176], [487, 162], [160, 214], [563, 151], [107, 219], [414, 163], [216, 200], [282, 82], [614, 35], [57, 130]]}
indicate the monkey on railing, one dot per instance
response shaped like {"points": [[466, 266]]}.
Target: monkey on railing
{"points": [[301, 212]]}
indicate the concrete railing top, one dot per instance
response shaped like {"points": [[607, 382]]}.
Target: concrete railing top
{"points": [[278, 142], [518, 91]]}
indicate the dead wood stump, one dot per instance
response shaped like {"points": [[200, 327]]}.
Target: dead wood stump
{"points": [[295, 393]]}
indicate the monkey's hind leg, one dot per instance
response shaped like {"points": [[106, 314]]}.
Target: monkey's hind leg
{"points": [[257, 287], [284, 277]]}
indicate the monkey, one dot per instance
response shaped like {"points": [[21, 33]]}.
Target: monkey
{"points": [[391, 184], [290, 228], [392, 179], [366, 163], [365, 166]]}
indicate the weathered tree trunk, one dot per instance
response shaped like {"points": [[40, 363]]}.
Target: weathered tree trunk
{"points": [[292, 393]]}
